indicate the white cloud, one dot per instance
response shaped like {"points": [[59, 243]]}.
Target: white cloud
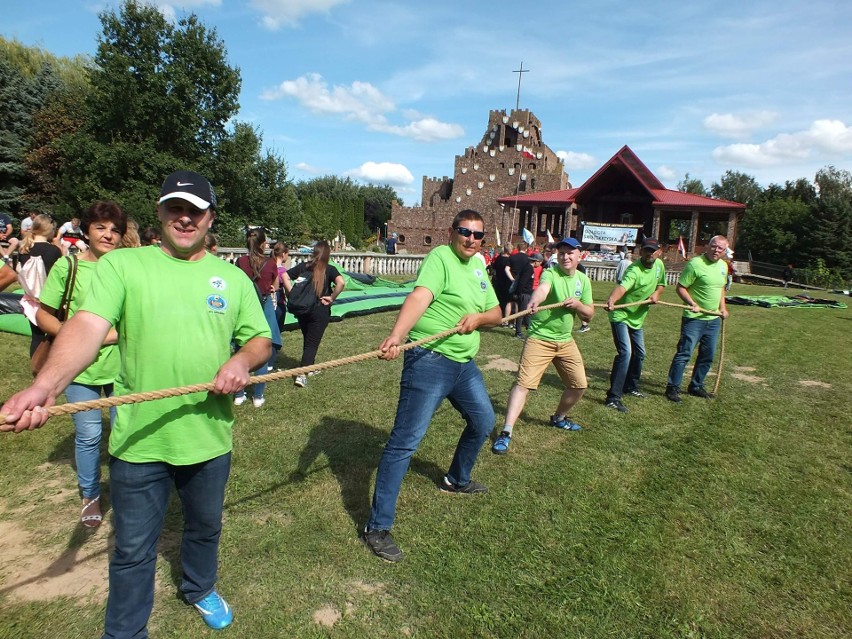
{"points": [[666, 173], [823, 138], [170, 9], [425, 130], [574, 160], [304, 167], [278, 13], [383, 173], [363, 102], [729, 125]]}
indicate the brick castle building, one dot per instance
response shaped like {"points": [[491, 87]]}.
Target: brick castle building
{"points": [[510, 159]]}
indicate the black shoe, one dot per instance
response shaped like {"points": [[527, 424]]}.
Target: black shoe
{"points": [[382, 545], [637, 393], [617, 405], [673, 394], [520, 336], [700, 392], [472, 488]]}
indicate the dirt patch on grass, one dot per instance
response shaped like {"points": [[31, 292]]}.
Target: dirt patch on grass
{"points": [[498, 363], [32, 572], [754, 379], [745, 369], [327, 616], [812, 383]]}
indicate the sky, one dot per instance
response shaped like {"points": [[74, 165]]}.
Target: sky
{"points": [[387, 92]]}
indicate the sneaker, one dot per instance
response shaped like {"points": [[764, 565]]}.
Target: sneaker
{"points": [[215, 611], [382, 545], [617, 405], [301, 381], [520, 336], [239, 400], [501, 445], [637, 393], [312, 373], [564, 423], [700, 392], [585, 328], [471, 488], [673, 394], [257, 402]]}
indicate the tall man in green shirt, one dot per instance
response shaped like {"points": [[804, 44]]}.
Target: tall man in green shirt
{"points": [[452, 289], [549, 341], [176, 309], [701, 286], [642, 280]]}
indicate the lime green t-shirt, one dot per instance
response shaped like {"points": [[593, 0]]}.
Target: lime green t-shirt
{"points": [[640, 283], [175, 321], [706, 283], [458, 288], [105, 368], [555, 325]]}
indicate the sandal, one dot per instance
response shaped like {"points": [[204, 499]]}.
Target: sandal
{"points": [[91, 516]]}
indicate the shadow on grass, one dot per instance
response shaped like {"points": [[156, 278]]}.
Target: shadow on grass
{"points": [[353, 450]]}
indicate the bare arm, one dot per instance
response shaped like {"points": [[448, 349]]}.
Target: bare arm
{"points": [[7, 276], [234, 374], [50, 324], [538, 296], [683, 293], [75, 348], [617, 293], [412, 309]]}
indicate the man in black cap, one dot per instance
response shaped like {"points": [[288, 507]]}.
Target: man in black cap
{"points": [[643, 280], [177, 308]]}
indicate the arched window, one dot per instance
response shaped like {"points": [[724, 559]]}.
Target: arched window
{"points": [[427, 240]]}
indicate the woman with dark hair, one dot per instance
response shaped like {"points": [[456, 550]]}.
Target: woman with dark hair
{"points": [[281, 254], [103, 225], [38, 243], [263, 271], [322, 276]]}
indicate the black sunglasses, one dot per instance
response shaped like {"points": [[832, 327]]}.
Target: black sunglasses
{"points": [[465, 232]]}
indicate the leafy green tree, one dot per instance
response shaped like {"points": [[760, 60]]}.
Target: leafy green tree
{"points": [[830, 229], [735, 186], [772, 229], [691, 185]]}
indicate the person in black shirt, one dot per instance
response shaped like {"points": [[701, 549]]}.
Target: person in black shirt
{"points": [[313, 324]]}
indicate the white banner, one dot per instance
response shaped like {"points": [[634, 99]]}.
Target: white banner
{"points": [[618, 235]]}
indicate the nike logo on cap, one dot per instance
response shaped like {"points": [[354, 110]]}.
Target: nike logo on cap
{"points": [[185, 184]]}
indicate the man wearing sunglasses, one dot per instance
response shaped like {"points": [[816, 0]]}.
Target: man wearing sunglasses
{"points": [[549, 340], [451, 290]]}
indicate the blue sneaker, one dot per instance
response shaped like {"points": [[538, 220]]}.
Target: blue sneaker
{"points": [[564, 423], [501, 445], [215, 611]]}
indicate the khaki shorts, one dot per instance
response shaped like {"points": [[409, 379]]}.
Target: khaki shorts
{"points": [[537, 356]]}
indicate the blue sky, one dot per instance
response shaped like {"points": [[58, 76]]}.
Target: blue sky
{"points": [[388, 92]]}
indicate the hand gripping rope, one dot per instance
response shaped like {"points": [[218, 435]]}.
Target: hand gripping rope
{"points": [[136, 398]]}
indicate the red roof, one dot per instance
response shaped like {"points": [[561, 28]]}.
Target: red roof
{"points": [[633, 165]]}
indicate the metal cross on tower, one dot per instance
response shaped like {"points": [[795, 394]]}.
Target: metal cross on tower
{"points": [[520, 73]]}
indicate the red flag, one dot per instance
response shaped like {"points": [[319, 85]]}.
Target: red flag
{"points": [[528, 153], [680, 247]]}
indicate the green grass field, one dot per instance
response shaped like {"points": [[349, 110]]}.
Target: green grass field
{"points": [[725, 518]]}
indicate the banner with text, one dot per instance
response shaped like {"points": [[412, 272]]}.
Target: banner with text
{"points": [[618, 235]]}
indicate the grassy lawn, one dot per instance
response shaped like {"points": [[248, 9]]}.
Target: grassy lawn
{"points": [[725, 518]]}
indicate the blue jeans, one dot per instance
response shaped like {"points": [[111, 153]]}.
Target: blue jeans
{"points": [[272, 322], [87, 436], [427, 379], [140, 496], [705, 334], [627, 365]]}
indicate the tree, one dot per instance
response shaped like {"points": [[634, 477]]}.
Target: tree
{"points": [[691, 185], [737, 187], [772, 229], [829, 233]]}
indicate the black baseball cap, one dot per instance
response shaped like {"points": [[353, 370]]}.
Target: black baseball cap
{"points": [[650, 243], [189, 186]]}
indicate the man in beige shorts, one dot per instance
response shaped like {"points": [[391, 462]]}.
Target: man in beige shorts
{"points": [[549, 340]]}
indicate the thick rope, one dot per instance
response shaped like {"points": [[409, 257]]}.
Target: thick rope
{"points": [[721, 361], [136, 398]]}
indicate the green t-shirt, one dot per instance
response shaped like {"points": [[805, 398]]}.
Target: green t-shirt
{"points": [[555, 325], [458, 289], [175, 321], [640, 283], [105, 368], [706, 283]]}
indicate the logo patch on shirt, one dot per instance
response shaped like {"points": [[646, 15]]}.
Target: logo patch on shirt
{"points": [[578, 289], [478, 273], [483, 285], [217, 303], [218, 283]]}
